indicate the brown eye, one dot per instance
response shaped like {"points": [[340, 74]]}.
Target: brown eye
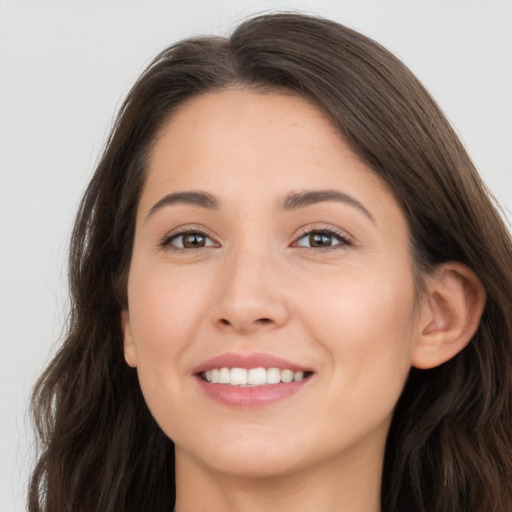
{"points": [[193, 240], [322, 239], [189, 240]]}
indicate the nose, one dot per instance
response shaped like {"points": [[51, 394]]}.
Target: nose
{"points": [[251, 295]]}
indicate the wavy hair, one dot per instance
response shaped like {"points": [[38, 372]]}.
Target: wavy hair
{"points": [[450, 443]]}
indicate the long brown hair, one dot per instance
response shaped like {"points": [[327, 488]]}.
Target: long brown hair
{"points": [[450, 444]]}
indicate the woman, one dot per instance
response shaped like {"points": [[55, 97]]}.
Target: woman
{"points": [[290, 289]]}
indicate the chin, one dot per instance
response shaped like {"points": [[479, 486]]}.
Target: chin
{"points": [[245, 457], [257, 466]]}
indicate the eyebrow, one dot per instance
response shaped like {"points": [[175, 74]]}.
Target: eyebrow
{"points": [[298, 200], [292, 201], [200, 199]]}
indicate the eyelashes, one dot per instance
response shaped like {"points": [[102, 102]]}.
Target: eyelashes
{"points": [[188, 240], [315, 239], [322, 239]]}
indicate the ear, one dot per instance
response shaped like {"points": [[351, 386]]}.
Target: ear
{"points": [[450, 315], [130, 354]]}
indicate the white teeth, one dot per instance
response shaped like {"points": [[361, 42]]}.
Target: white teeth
{"points": [[273, 376], [238, 376], [252, 377], [286, 375], [257, 377], [224, 376]]}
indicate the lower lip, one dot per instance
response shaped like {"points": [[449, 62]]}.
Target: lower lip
{"points": [[255, 396]]}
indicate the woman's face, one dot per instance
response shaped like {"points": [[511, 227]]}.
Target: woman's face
{"points": [[263, 244]]}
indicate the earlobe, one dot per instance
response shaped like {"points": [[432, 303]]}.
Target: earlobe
{"points": [[450, 315], [130, 354]]}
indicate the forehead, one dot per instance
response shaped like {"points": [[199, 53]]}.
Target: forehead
{"points": [[248, 143], [260, 123], [242, 129]]}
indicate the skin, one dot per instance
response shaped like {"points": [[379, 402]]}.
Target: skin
{"points": [[349, 310]]}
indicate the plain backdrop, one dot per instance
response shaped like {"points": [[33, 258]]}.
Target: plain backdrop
{"points": [[64, 69]]}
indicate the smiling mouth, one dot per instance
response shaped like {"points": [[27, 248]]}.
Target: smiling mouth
{"points": [[252, 377]]}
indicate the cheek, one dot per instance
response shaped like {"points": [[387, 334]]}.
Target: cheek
{"points": [[164, 308], [164, 312], [366, 325], [367, 333]]}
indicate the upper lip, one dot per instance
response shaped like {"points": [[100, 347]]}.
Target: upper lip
{"points": [[247, 361]]}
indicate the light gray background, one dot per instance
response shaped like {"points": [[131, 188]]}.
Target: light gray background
{"points": [[64, 69]]}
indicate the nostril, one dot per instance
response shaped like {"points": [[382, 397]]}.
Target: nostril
{"points": [[244, 322]]}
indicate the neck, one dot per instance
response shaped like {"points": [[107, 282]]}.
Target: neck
{"points": [[327, 487]]}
